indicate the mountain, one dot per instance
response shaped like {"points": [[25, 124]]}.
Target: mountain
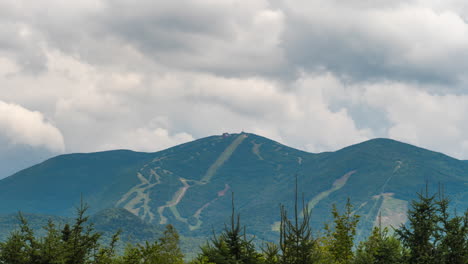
{"points": [[190, 185]]}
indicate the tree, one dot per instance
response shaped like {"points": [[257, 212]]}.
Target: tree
{"points": [[296, 242], [106, 255], [231, 247], [453, 232], [379, 248], [80, 240], [51, 249], [168, 249], [340, 237], [21, 246], [14, 250], [422, 234], [132, 255], [271, 253]]}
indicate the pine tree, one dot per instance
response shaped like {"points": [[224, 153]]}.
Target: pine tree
{"points": [[106, 255], [379, 248], [14, 250], [169, 249], [131, 255], [422, 233], [341, 236], [51, 249], [231, 247], [296, 242], [271, 253], [80, 241], [453, 232]]}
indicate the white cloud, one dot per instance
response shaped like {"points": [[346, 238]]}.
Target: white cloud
{"points": [[317, 75], [405, 40], [21, 126], [149, 140], [419, 117]]}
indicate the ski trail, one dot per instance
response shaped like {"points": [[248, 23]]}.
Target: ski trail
{"points": [[386, 196], [137, 199], [222, 158], [200, 210], [337, 184], [179, 195], [256, 149], [397, 167], [173, 203], [142, 192]]}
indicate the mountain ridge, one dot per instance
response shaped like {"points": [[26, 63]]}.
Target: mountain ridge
{"points": [[112, 151], [188, 185]]}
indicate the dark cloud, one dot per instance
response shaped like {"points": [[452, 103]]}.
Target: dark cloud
{"points": [[317, 75], [373, 42]]}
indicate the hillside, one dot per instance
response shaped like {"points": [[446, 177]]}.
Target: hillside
{"points": [[190, 185]]}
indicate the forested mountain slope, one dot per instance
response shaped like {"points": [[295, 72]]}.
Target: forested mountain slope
{"points": [[190, 185]]}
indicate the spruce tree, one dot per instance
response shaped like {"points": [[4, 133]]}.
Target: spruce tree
{"points": [[51, 245], [169, 250], [341, 236], [14, 250], [296, 241], [453, 232], [379, 248], [422, 233], [271, 253], [80, 241], [231, 247]]}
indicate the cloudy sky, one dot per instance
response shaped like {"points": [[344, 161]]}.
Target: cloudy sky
{"points": [[92, 75]]}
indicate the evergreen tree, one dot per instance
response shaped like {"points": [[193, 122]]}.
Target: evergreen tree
{"points": [[170, 250], [422, 234], [80, 241], [296, 242], [271, 253], [379, 248], [14, 250], [21, 246], [340, 237], [106, 255], [132, 255], [231, 247], [453, 232], [51, 246]]}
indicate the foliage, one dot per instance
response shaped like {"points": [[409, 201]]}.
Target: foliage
{"points": [[231, 247], [379, 248], [432, 235], [296, 242], [105, 176], [80, 244], [340, 236], [271, 253]]}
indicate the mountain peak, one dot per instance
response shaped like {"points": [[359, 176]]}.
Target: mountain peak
{"points": [[189, 185]]}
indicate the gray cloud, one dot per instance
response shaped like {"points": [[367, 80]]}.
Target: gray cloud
{"points": [[407, 41], [145, 75]]}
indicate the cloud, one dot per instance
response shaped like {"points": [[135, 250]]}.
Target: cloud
{"points": [[402, 40], [149, 140], [21, 126], [422, 118], [317, 75]]}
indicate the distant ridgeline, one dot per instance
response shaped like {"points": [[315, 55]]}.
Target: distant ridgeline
{"points": [[190, 185]]}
